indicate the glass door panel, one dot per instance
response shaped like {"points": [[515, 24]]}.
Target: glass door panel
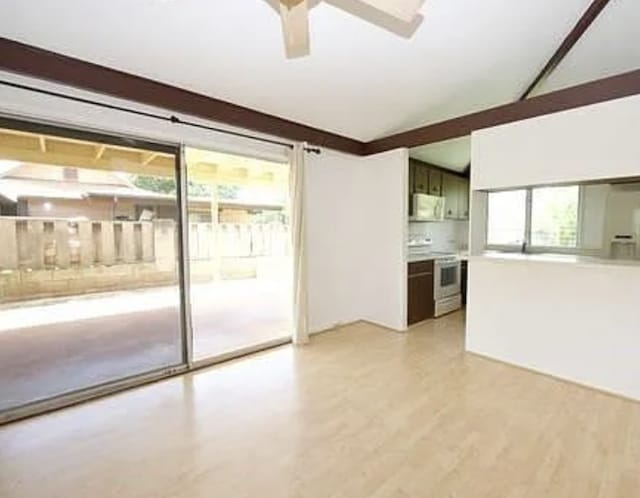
{"points": [[239, 255], [89, 287]]}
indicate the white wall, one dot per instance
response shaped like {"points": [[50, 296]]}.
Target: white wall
{"points": [[578, 321], [383, 188], [356, 221], [333, 247], [588, 143]]}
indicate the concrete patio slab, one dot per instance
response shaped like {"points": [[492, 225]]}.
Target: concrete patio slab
{"points": [[49, 347]]}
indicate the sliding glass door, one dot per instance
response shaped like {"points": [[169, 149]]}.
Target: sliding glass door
{"points": [[89, 264], [239, 256]]}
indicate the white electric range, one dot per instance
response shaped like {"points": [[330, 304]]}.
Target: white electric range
{"points": [[447, 275]]}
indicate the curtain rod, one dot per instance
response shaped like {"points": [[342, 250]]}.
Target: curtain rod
{"points": [[170, 118]]}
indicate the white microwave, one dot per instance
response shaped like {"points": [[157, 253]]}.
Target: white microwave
{"points": [[427, 207]]}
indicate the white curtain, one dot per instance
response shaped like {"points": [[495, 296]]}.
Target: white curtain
{"points": [[296, 198]]}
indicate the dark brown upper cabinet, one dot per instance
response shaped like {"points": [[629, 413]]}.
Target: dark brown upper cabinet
{"points": [[427, 179], [412, 181], [463, 199], [421, 179], [435, 182], [450, 192]]}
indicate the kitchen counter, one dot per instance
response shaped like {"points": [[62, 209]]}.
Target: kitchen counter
{"points": [[568, 316], [571, 259], [412, 258]]}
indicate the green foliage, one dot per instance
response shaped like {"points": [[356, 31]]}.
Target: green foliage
{"points": [[156, 184], [163, 185], [555, 216], [270, 217], [228, 192]]}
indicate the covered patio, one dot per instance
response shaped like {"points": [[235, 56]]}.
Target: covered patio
{"points": [[54, 346]]}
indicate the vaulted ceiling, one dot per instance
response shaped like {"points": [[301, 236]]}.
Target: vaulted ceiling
{"points": [[360, 81], [611, 45]]}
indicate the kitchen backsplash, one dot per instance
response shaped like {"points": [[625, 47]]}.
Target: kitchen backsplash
{"points": [[447, 236]]}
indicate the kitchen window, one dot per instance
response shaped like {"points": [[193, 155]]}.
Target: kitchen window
{"points": [[538, 218], [506, 218], [554, 216]]}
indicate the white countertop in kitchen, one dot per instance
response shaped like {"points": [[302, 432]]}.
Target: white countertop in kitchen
{"points": [[413, 258], [572, 259]]}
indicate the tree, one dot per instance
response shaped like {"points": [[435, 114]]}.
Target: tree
{"points": [[163, 185], [157, 184]]}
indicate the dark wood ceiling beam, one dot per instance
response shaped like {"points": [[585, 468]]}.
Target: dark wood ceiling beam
{"points": [[27, 60], [614, 87], [23, 59], [590, 15]]}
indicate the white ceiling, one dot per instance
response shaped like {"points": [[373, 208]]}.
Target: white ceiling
{"points": [[360, 80], [610, 46]]}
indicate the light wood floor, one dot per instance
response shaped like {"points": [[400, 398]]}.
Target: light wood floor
{"points": [[361, 412]]}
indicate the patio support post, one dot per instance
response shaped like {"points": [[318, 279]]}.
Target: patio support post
{"points": [[216, 260]]}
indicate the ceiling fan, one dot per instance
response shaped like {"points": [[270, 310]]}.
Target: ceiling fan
{"points": [[295, 19]]}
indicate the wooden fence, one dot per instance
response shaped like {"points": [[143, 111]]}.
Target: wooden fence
{"points": [[237, 240], [43, 243]]}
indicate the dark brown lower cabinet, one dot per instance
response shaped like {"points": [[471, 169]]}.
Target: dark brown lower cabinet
{"points": [[420, 303]]}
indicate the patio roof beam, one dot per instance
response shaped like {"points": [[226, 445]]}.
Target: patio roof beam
{"points": [[147, 157], [99, 151], [42, 141]]}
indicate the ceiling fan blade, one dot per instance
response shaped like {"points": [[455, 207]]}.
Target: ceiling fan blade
{"points": [[405, 10], [295, 27]]}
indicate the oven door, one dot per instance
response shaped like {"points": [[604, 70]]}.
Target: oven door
{"points": [[447, 279]]}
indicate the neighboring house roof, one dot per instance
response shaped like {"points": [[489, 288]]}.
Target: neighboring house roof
{"points": [[14, 189], [20, 181], [238, 204]]}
